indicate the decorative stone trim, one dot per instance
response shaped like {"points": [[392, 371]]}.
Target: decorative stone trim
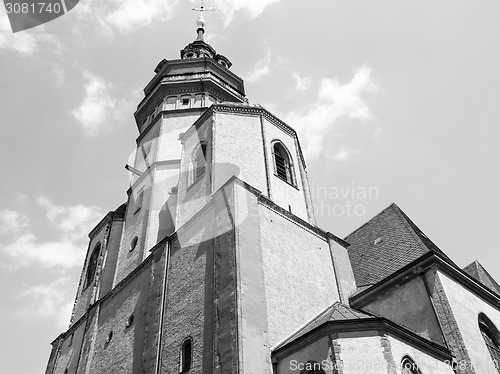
{"points": [[385, 343]]}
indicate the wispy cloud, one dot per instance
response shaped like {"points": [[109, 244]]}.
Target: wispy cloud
{"points": [[254, 8], [98, 110], [73, 222], [334, 101], [301, 83], [126, 16], [344, 153], [261, 68], [66, 251], [26, 43], [48, 301], [12, 222]]}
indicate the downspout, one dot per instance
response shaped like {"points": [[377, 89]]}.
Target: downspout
{"points": [[162, 307]]}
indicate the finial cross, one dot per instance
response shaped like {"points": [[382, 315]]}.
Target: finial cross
{"points": [[203, 9]]}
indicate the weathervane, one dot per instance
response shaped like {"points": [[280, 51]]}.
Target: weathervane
{"points": [[201, 21], [203, 9]]}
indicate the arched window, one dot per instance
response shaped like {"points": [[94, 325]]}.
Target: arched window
{"points": [[491, 338], [283, 167], [92, 265], [198, 163], [186, 352], [312, 367], [408, 366]]}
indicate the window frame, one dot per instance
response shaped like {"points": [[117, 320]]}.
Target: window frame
{"points": [[197, 168], [288, 164], [491, 337], [186, 356], [414, 368], [92, 265]]}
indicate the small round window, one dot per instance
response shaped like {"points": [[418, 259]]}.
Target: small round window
{"points": [[133, 244]]}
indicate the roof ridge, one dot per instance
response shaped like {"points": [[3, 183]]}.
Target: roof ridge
{"points": [[406, 221], [490, 278]]}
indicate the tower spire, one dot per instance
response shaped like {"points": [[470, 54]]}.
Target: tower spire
{"points": [[200, 22]]}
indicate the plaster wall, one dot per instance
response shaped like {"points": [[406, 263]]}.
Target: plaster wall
{"points": [[409, 305], [252, 311], [318, 352], [238, 150], [282, 193], [465, 308], [136, 223], [425, 362], [173, 124], [298, 273], [192, 197], [362, 353]]}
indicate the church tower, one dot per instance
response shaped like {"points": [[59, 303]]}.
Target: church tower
{"points": [[211, 261]]}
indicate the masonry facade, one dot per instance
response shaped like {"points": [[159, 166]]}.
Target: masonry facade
{"points": [[214, 264]]}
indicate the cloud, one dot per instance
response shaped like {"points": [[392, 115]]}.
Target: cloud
{"points": [[66, 251], [334, 101], [27, 250], [73, 222], [12, 222], [301, 83], [48, 301], [344, 153], [98, 109], [261, 68], [26, 43], [126, 16], [254, 8]]}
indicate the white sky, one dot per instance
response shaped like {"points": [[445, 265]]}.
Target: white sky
{"points": [[397, 96]]}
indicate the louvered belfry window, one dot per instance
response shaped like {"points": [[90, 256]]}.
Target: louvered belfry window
{"points": [[491, 338], [282, 163]]}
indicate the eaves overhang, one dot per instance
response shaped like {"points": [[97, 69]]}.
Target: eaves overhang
{"points": [[195, 65], [430, 260], [243, 108], [378, 324]]}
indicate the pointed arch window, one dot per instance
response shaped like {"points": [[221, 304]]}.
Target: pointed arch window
{"points": [[283, 167], [408, 366], [92, 265], [186, 355], [198, 164], [491, 337]]}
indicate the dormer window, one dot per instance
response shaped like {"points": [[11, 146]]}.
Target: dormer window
{"points": [[283, 167]]}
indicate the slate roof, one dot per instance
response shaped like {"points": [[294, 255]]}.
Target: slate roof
{"points": [[385, 244], [335, 312], [479, 273]]}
